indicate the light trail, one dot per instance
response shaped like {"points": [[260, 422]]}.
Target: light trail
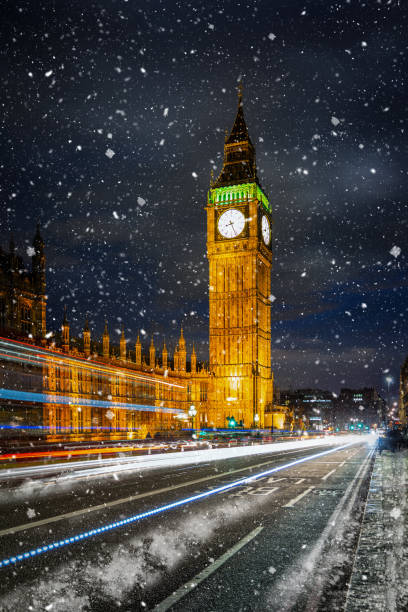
{"points": [[138, 517], [71, 453], [21, 351], [45, 398]]}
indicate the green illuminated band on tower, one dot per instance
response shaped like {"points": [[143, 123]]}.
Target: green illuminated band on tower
{"points": [[238, 193]]}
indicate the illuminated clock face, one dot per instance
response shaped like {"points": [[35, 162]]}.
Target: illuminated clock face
{"points": [[266, 230], [231, 223]]}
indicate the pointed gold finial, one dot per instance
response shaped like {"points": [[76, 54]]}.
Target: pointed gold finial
{"points": [[211, 177], [240, 90]]}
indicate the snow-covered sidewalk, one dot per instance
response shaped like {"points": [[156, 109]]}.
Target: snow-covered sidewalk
{"points": [[380, 576]]}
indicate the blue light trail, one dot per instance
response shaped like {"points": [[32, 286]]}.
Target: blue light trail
{"points": [[28, 396], [137, 517]]}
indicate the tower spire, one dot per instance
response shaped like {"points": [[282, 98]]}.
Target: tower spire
{"points": [[105, 342], [239, 164], [240, 90], [65, 331], [87, 339], [122, 344]]}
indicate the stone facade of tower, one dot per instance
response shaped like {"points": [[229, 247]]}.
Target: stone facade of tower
{"points": [[240, 258]]}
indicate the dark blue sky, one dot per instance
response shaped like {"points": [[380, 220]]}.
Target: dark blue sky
{"points": [[325, 100]]}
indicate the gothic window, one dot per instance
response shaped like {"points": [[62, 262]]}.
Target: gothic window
{"points": [[203, 392], [2, 312], [26, 323]]}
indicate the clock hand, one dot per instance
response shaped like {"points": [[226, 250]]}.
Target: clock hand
{"points": [[232, 226]]}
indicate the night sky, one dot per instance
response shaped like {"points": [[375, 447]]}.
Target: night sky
{"points": [[155, 83]]}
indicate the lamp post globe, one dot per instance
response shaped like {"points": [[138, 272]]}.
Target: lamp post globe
{"points": [[192, 413]]}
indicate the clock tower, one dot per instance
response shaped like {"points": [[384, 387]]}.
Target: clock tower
{"points": [[240, 258]]}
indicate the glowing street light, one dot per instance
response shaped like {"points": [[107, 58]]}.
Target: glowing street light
{"points": [[191, 413]]}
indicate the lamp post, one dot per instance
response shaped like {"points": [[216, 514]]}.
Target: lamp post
{"points": [[191, 413], [256, 419], [389, 380]]}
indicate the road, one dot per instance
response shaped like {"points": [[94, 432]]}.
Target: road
{"points": [[283, 540]]}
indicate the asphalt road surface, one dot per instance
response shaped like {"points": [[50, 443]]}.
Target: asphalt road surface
{"points": [[282, 541]]}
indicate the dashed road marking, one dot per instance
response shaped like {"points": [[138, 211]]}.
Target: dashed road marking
{"points": [[210, 569], [295, 500], [328, 474]]}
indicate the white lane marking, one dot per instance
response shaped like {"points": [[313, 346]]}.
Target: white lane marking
{"points": [[300, 480], [290, 586], [294, 501], [205, 573], [329, 474], [124, 500], [263, 491]]}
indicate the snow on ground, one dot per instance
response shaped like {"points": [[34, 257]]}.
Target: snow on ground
{"points": [[125, 570]]}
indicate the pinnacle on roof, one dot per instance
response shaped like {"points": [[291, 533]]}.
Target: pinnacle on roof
{"points": [[37, 240]]}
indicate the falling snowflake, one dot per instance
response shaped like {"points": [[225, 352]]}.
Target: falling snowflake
{"points": [[109, 153], [335, 121], [395, 513], [109, 414], [395, 251], [30, 251]]}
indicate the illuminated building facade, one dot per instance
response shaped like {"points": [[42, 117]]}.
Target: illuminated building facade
{"points": [[90, 389], [240, 258]]}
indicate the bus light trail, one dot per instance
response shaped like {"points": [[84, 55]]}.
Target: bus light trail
{"points": [[26, 353], [161, 509], [45, 398]]}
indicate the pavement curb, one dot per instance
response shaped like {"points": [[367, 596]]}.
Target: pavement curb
{"points": [[379, 580]]}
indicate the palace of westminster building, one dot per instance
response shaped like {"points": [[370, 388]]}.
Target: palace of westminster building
{"points": [[86, 389]]}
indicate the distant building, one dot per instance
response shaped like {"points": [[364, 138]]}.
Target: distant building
{"points": [[364, 406], [323, 409], [314, 407], [403, 393]]}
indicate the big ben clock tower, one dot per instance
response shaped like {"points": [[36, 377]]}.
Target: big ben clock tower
{"points": [[240, 259]]}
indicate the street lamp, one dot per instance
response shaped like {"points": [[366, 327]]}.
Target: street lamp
{"points": [[256, 419], [191, 413], [389, 380]]}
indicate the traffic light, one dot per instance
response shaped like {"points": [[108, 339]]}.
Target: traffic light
{"points": [[351, 427], [231, 421]]}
